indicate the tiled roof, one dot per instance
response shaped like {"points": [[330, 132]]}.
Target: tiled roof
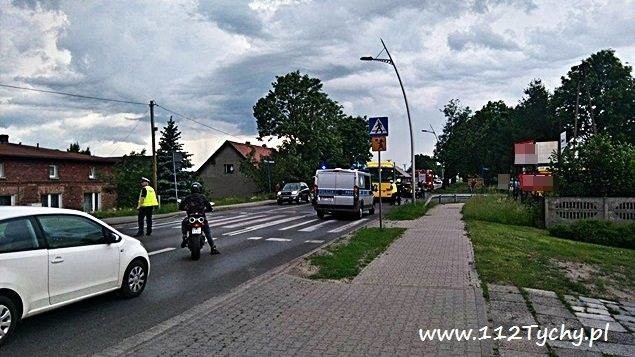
{"points": [[246, 149], [34, 152]]}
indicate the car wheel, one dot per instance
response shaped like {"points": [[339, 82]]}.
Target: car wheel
{"points": [[320, 214], [8, 318], [134, 279], [371, 211], [360, 212], [280, 202]]}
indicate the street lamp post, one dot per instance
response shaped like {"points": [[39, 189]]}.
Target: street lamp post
{"points": [[268, 162], [431, 131], [390, 61]]}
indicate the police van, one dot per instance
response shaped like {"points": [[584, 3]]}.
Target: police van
{"points": [[342, 190]]}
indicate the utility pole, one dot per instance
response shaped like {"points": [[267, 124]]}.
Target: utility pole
{"points": [[153, 129]]}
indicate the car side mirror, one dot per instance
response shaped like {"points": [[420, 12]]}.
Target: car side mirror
{"points": [[113, 237]]}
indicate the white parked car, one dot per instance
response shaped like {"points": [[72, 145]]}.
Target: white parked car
{"points": [[51, 257]]}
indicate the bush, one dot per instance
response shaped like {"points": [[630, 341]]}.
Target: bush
{"points": [[502, 209], [598, 232]]}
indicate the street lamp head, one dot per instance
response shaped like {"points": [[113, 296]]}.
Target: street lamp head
{"points": [[366, 58], [425, 131]]}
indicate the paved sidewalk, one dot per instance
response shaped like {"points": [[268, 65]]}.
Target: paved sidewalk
{"points": [[424, 280]]}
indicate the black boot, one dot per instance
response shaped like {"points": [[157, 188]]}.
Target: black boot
{"points": [[184, 242], [138, 234], [214, 251]]}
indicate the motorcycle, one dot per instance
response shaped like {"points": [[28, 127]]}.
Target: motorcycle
{"points": [[195, 233]]}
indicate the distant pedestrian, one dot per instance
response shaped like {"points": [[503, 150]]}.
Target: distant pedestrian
{"points": [[147, 202]]}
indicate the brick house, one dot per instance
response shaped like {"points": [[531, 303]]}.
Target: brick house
{"points": [[31, 175], [221, 174]]}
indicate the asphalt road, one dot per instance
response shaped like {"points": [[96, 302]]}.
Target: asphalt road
{"points": [[251, 240]]}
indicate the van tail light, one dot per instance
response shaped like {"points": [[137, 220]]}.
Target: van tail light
{"points": [[315, 189], [356, 192]]}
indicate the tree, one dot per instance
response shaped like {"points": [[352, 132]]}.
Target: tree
{"points": [[126, 175], [453, 147], [169, 144], [312, 128], [74, 147], [597, 167], [601, 90], [532, 118], [425, 162]]}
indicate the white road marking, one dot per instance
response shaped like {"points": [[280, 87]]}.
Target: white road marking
{"points": [[278, 239], [316, 226], [254, 238], [347, 226], [263, 225], [314, 241], [161, 251], [251, 221], [298, 225], [227, 220]]}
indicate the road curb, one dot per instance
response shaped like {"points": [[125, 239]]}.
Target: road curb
{"points": [[128, 344], [133, 219]]}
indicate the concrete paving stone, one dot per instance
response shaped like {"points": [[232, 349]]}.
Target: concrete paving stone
{"points": [[591, 310], [627, 303], [551, 322], [538, 292], [616, 349], [593, 323], [626, 318], [544, 300], [629, 325], [629, 310], [502, 296], [595, 306], [584, 346], [568, 352], [559, 311], [514, 353], [590, 300], [577, 308], [625, 338], [571, 299], [508, 289], [604, 301], [594, 316]]}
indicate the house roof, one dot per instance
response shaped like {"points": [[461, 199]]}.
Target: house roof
{"points": [[36, 152], [243, 149]]}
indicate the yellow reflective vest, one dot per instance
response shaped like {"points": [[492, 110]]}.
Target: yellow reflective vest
{"points": [[150, 199]]}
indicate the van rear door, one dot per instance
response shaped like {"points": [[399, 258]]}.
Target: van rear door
{"points": [[327, 184], [344, 192]]}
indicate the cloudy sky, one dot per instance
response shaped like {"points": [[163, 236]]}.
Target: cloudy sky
{"points": [[212, 60]]}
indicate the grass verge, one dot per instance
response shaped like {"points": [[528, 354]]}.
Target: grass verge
{"points": [[530, 257], [409, 211], [347, 259], [502, 209], [173, 207]]}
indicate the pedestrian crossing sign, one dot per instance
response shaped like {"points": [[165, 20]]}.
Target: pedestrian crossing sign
{"points": [[378, 126]]}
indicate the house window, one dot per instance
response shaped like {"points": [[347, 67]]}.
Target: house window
{"points": [[2, 170], [52, 200], [53, 172], [7, 200], [93, 173], [92, 201], [229, 168]]}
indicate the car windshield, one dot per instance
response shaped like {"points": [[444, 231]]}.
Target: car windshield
{"points": [[291, 187]]}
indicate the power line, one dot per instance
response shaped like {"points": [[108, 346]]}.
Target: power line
{"points": [[72, 95], [139, 121], [195, 121]]}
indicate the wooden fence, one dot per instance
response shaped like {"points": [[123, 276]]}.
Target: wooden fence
{"points": [[569, 209]]}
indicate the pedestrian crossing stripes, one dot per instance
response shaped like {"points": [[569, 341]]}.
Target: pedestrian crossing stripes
{"points": [[347, 226], [263, 225], [297, 225], [254, 238], [316, 226], [251, 221], [318, 241], [278, 240]]}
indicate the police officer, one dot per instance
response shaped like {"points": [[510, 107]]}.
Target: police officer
{"points": [[147, 202]]}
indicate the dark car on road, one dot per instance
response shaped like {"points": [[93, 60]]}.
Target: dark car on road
{"points": [[294, 192]]}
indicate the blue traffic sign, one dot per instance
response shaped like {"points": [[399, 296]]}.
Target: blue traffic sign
{"points": [[378, 126]]}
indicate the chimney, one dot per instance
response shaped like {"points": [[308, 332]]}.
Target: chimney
{"points": [[37, 145], [247, 143], [4, 139]]}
